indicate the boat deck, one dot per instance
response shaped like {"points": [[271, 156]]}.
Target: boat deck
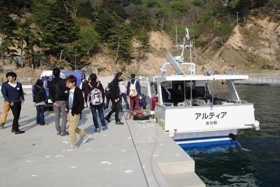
{"points": [[135, 154]]}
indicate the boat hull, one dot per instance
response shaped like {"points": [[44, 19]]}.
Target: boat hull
{"points": [[200, 126]]}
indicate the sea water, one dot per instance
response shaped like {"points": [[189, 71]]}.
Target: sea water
{"points": [[255, 159]]}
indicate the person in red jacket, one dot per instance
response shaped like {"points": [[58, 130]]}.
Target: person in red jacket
{"points": [[96, 106]]}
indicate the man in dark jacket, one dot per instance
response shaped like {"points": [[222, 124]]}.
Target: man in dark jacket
{"points": [[13, 94], [58, 95], [115, 96], [75, 105]]}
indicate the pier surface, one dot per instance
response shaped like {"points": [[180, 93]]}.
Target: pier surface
{"points": [[137, 154]]}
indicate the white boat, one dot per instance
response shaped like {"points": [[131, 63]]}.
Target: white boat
{"points": [[191, 113]]}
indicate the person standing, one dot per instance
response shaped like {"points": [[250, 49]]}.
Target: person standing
{"points": [[99, 106], [6, 107], [75, 105], [58, 95], [39, 97], [123, 95], [107, 95], [154, 99], [83, 87], [13, 94], [133, 91], [115, 97]]}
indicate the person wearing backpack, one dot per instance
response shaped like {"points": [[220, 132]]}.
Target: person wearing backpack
{"points": [[134, 91], [58, 94], [39, 97], [123, 95], [94, 92], [115, 97]]}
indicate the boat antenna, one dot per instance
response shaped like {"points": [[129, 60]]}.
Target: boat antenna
{"points": [[176, 35]]}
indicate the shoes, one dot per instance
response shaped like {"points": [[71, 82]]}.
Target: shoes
{"points": [[98, 130], [72, 148], [107, 119], [119, 123], [13, 130], [104, 128], [64, 133], [86, 138], [19, 132]]}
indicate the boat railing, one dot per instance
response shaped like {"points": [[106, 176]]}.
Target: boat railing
{"points": [[188, 68]]}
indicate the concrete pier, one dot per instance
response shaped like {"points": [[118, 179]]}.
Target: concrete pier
{"points": [[137, 154]]}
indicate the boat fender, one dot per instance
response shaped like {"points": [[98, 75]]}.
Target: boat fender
{"points": [[232, 136], [256, 125]]}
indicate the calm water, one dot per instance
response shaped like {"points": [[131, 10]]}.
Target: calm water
{"points": [[256, 160]]}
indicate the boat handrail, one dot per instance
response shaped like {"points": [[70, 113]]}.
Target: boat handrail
{"points": [[190, 68]]}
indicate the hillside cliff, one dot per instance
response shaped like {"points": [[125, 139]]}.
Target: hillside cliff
{"points": [[252, 47]]}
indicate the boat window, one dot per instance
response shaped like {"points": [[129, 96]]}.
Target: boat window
{"points": [[200, 91]]}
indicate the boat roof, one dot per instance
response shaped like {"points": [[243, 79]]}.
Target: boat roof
{"points": [[201, 77]]}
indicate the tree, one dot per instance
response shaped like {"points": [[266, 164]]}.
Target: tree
{"points": [[88, 38], [120, 42], [144, 40], [106, 22], [60, 32]]}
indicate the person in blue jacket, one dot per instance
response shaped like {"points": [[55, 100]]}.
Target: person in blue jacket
{"points": [[13, 93]]}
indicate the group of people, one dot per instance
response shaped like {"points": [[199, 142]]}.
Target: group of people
{"points": [[69, 101]]}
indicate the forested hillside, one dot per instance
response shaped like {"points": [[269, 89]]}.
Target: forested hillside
{"points": [[69, 33]]}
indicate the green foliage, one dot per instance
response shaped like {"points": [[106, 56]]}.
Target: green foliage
{"points": [[7, 24], [140, 16], [60, 29], [40, 17], [106, 22], [71, 29], [88, 38], [199, 3], [120, 41]]}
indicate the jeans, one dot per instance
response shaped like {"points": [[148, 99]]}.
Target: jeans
{"points": [[99, 108], [124, 96], [40, 118]]}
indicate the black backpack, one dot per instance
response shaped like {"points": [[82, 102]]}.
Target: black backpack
{"points": [[38, 95]]}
